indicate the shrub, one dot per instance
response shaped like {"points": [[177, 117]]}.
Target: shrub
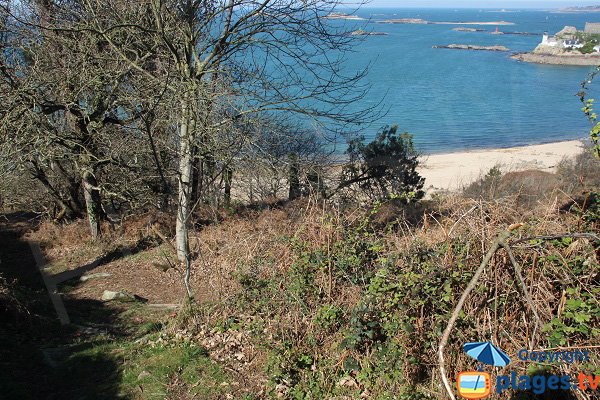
{"points": [[486, 186], [580, 173], [527, 187], [384, 168], [588, 48]]}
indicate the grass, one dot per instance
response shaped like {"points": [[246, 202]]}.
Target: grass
{"points": [[158, 372], [138, 362]]}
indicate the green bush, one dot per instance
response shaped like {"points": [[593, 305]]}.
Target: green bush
{"points": [[486, 186], [588, 48], [384, 168]]}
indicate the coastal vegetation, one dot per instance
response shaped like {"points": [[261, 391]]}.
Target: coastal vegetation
{"points": [[170, 191], [322, 300]]}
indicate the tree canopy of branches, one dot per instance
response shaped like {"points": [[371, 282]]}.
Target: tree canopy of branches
{"points": [[384, 168], [113, 102]]}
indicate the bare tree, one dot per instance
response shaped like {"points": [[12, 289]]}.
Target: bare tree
{"points": [[83, 74], [63, 100], [222, 60], [75, 118]]}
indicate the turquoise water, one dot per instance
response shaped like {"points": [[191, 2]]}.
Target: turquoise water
{"points": [[453, 99]]}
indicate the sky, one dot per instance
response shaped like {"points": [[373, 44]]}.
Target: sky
{"points": [[542, 4]]}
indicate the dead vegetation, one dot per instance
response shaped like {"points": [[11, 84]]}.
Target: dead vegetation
{"points": [[312, 300]]}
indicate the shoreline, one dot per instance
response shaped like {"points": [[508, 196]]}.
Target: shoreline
{"points": [[451, 171], [551, 59]]}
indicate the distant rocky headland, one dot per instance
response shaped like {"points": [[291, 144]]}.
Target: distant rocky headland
{"points": [[498, 23], [580, 9], [416, 21], [472, 47]]}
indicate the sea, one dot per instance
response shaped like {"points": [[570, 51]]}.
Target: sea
{"points": [[456, 100]]}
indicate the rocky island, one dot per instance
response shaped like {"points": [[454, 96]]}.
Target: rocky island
{"points": [[472, 47], [463, 29], [362, 32], [416, 21], [497, 32], [339, 15], [567, 47], [474, 23], [520, 33], [420, 21]]}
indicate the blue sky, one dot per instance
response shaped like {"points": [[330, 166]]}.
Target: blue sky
{"points": [[545, 4]]}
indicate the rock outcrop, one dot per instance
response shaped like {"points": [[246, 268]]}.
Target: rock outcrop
{"points": [[463, 29], [559, 59], [416, 21], [361, 32], [566, 32], [472, 47]]}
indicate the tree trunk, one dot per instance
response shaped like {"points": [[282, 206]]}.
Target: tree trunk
{"points": [[210, 193], [71, 208], [92, 203], [294, 177], [227, 191], [184, 209], [315, 180], [184, 188], [197, 174]]}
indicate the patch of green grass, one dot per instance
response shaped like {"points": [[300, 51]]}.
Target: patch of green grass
{"points": [[125, 369], [90, 371], [147, 372]]}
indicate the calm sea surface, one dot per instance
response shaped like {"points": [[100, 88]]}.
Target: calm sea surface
{"points": [[454, 100]]}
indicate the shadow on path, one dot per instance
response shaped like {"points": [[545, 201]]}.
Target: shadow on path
{"points": [[39, 358]]}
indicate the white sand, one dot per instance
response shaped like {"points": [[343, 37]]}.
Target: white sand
{"points": [[455, 170]]}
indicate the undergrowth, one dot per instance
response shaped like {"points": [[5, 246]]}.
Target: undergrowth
{"points": [[321, 302], [359, 308]]}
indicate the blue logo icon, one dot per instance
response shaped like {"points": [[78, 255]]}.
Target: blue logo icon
{"points": [[487, 353]]}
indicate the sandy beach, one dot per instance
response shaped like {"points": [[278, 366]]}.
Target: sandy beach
{"points": [[455, 170]]}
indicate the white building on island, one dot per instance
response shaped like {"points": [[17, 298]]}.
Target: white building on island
{"points": [[549, 40], [572, 44], [566, 39]]}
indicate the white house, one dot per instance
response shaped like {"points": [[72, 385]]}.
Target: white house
{"points": [[572, 44]]}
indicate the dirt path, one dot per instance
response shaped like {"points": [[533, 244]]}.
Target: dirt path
{"points": [[36, 352], [16, 259]]}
